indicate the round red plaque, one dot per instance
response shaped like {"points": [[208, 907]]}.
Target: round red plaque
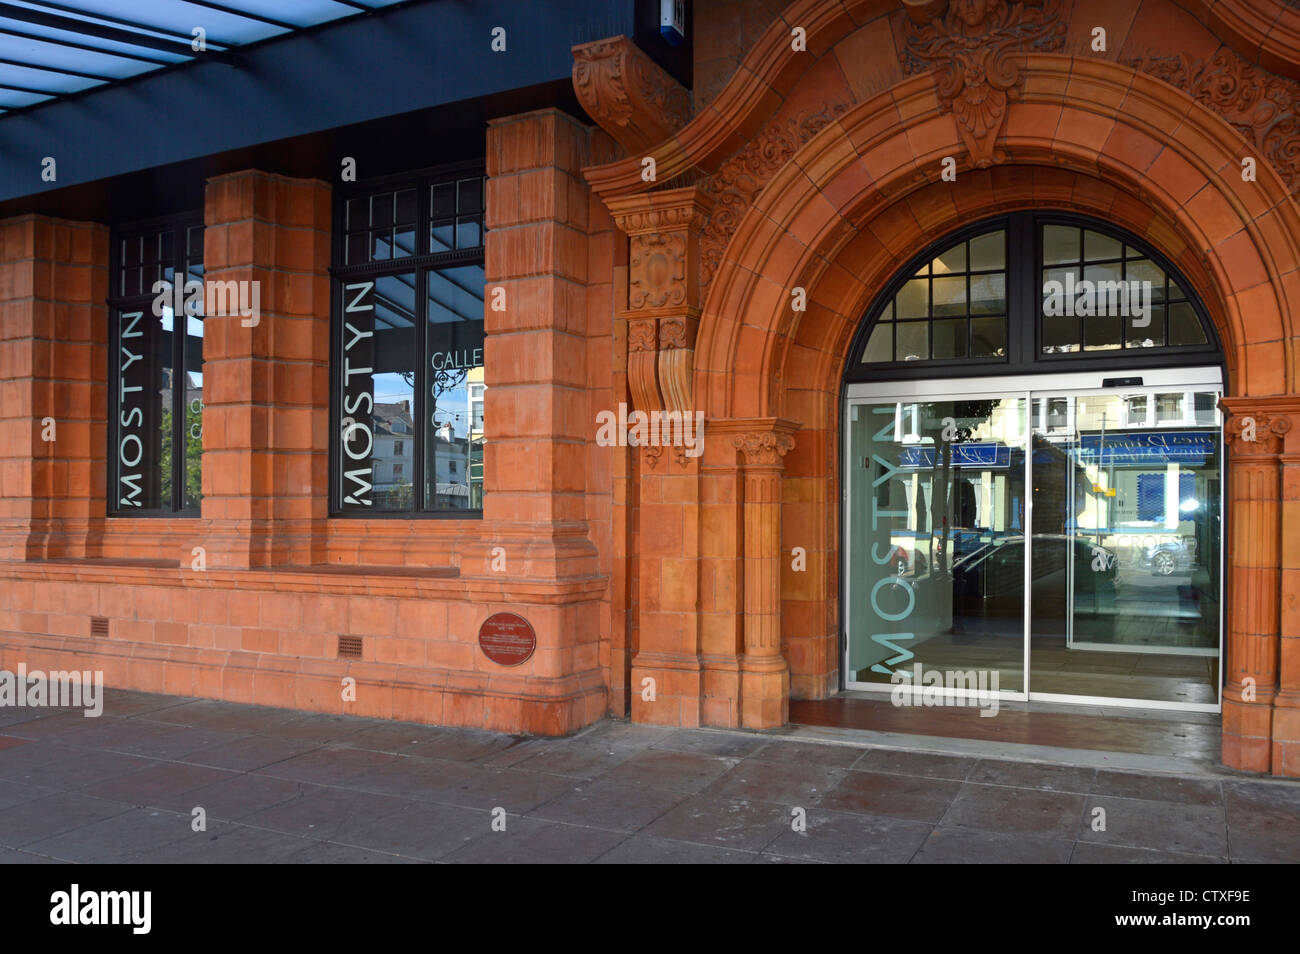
{"points": [[507, 639]]}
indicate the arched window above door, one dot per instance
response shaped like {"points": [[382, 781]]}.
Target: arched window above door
{"points": [[1035, 292]]}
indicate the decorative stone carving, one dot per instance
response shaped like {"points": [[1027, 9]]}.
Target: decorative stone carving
{"points": [[1260, 106], [1256, 435], [742, 176], [973, 44], [763, 448], [628, 94], [657, 270]]}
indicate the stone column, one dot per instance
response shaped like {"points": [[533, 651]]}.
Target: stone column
{"points": [[1286, 706], [662, 314], [1254, 435], [266, 393], [54, 385], [765, 677]]}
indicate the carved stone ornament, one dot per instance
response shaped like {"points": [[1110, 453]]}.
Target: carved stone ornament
{"points": [[1260, 106], [973, 45], [641, 334], [1256, 435], [743, 176], [628, 94], [763, 448], [657, 270]]}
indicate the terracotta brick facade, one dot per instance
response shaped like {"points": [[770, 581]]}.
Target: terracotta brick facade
{"points": [[657, 582]]}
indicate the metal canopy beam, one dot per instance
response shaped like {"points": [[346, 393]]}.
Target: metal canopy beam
{"points": [[244, 14], [73, 44], [61, 70], [122, 21], [100, 32]]}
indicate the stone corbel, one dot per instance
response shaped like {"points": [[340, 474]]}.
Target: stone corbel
{"points": [[663, 230], [628, 94]]}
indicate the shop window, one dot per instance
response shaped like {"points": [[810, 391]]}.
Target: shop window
{"points": [[155, 369], [408, 345]]}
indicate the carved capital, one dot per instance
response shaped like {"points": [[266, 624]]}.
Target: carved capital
{"points": [[628, 94], [973, 46], [1256, 434], [763, 448]]}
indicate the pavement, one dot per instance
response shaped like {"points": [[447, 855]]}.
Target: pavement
{"points": [[270, 785]]}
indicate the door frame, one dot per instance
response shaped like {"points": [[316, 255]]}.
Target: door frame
{"points": [[1029, 386]]}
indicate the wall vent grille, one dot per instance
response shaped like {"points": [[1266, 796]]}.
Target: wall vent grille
{"points": [[99, 626], [349, 647]]}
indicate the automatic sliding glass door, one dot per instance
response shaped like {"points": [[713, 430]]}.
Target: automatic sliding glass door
{"points": [[935, 553], [1126, 592], [1045, 536]]}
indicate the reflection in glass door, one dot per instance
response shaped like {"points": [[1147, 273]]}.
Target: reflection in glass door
{"points": [[1125, 595], [936, 546], [1063, 541]]}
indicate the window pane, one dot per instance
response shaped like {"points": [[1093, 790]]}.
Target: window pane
{"points": [[988, 251], [377, 391], [913, 300], [1097, 247], [1060, 245], [442, 200], [880, 347], [988, 294], [441, 236], [453, 469], [1060, 335], [949, 296], [358, 214], [988, 337], [405, 207], [913, 341], [950, 338], [1144, 270], [953, 260], [1153, 335], [469, 234], [1184, 327], [1102, 332], [143, 383], [470, 195], [381, 209]]}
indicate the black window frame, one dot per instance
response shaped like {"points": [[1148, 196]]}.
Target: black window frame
{"points": [[422, 180], [180, 224], [1024, 266]]}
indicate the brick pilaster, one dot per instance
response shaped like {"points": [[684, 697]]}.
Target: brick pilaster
{"points": [[53, 386], [266, 389]]}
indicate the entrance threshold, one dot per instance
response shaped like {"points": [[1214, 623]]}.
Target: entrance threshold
{"points": [[1159, 740]]}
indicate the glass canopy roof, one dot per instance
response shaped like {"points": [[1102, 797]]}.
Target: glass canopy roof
{"points": [[54, 48]]}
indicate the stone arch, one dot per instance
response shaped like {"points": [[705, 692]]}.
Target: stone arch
{"points": [[859, 189], [864, 195]]}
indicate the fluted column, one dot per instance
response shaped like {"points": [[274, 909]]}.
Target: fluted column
{"points": [[1254, 435], [765, 677]]}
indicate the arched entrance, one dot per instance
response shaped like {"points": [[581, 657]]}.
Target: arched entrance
{"points": [[1033, 472], [809, 181]]}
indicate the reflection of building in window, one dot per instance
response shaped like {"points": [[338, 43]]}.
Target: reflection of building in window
{"points": [[1169, 408]]}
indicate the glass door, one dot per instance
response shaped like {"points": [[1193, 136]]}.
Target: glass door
{"points": [[1043, 537], [1125, 591], [936, 553]]}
